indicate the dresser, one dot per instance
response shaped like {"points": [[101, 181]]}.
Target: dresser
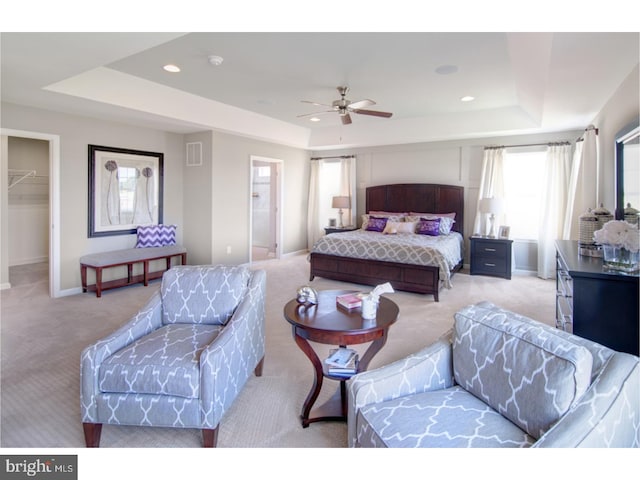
{"points": [[491, 256], [594, 303]]}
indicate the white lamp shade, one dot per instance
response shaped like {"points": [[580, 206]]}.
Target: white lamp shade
{"points": [[491, 205], [340, 202]]}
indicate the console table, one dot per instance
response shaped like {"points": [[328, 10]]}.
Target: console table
{"points": [[595, 303]]}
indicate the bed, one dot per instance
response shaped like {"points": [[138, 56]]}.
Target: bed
{"points": [[413, 271]]}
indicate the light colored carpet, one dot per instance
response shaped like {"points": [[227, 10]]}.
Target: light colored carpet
{"points": [[42, 339]]}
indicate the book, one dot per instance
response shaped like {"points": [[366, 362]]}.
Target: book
{"points": [[341, 357], [349, 300], [348, 370]]}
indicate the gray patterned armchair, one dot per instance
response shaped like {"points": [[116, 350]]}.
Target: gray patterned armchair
{"points": [[183, 358], [499, 379]]}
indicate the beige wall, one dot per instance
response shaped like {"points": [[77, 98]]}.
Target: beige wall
{"points": [[198, 202], [76, 133], [4, 213], [621, 109], [232, 193]]}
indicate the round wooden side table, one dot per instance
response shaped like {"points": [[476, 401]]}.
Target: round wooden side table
{"points": [[329, 324]]}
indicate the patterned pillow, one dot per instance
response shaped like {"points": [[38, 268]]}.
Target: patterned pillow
{"points": [[156, 236], [376, 224], [428, 226], [446, 223], [390, 218], [520, 368]]}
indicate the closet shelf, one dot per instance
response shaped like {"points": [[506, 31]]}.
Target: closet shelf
{"points": [[16, 176]]}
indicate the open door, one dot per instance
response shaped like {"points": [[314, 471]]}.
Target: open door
{"points": [[265, 208]]}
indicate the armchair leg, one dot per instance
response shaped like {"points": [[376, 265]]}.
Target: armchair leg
{"points": [[92, 433], [209, 437], [258, 369]]}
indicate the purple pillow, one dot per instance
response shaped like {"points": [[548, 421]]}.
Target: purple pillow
{"points": [[376, 224], [428, 226], [156, 236]]}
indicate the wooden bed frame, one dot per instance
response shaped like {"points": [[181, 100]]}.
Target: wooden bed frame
{"points": [[406, 197]]}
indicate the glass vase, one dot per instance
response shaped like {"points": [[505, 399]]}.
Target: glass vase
{"points": [[620, 259]]}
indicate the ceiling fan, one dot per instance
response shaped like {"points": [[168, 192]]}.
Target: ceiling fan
{"points": [[344, 107]]}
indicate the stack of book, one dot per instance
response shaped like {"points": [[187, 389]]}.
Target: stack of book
{"points": [[342, 362], [349, 301]]}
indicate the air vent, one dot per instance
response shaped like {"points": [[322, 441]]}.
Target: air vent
{"points": [[194, 154]]}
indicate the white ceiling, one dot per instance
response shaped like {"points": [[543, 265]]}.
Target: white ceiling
{"points": [[522, 82]]}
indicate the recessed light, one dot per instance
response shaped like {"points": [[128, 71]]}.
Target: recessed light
{"points": [[215, 60], [314, 119], [467, 98], [172, 68]]}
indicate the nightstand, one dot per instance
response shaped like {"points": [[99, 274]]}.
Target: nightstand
{"points": [[491, 256], [328, 230]]}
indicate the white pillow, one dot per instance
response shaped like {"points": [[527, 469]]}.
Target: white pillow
{"points": [[400, 227]]}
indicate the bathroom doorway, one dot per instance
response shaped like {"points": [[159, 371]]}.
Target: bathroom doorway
{"points": [[266, 192]]}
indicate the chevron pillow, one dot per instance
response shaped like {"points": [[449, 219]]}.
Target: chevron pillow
{"points": [[156, 236]]}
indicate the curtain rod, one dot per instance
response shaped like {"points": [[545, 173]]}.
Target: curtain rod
{"points": [[342, 157], [590, 127], [547, 144]]}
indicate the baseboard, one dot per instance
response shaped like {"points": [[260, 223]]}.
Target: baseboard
{"points": [[5, 286], [296, 253], [28, 261], [68, 292]]}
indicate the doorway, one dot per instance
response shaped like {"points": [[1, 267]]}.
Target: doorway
{"points": [[266, 188], [52, 232]]}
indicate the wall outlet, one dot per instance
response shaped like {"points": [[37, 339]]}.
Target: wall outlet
{"points": [[228, 249]]}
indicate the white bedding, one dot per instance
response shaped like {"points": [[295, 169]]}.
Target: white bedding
{"points": [[443, 251]]}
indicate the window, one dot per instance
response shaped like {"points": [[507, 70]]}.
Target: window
{"points": [[523, 177], [329, 186]]}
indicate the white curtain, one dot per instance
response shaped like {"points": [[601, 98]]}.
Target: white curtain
{"points": [[491, 185], [554, 204], [583, 183], [314, 230], [348, 187], [322, 187]]}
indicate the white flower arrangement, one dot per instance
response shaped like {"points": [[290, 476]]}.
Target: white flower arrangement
{"points": [[619, 233]]}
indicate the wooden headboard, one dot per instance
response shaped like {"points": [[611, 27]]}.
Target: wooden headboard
{"points": [[418, 197]]}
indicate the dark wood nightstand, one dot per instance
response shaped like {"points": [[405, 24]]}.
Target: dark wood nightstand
{"points": [[491, 256], [328, 230]]}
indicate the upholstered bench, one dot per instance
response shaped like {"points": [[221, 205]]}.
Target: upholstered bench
{"points": [[128, 257]]}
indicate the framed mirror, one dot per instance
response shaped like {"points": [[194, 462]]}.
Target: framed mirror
{"points": [[628, 168], [125, 190]]}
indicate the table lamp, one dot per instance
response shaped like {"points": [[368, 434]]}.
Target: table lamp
{"points": [[491, 206], [340, 202]]}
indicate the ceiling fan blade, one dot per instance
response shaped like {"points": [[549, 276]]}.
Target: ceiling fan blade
{"points": [[373, 113], [346, 119], [361, 104], [316, 103], [315, 113]]}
